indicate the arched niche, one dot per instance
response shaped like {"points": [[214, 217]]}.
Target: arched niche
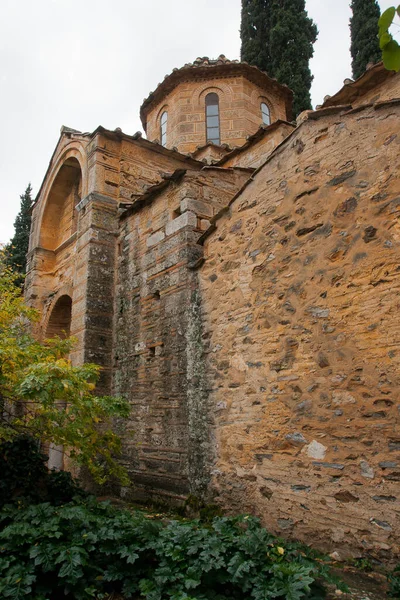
{"points": [[60, 216], [59, 323]]}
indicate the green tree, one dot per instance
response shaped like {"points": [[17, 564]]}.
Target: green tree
{"points": [[278, 37], [17, 249], [364, 35], [292, 36], [254, 33], [42, 394]]}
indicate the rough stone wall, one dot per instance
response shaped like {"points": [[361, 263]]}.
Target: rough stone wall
{"points": [[123, 168], [165, 441], [258, 151], [240, 112], [300, 295], [68, 247]]}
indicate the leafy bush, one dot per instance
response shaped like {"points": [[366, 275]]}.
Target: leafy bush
{"points": [[87, 549], [25, 477], [42, 393], [394, 582]]}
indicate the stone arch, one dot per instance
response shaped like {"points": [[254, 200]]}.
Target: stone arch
{"points": [[59, 218], [164, 107], [59, 320]]}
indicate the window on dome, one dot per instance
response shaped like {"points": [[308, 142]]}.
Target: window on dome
{"points": [[163, 128], [212, 118], [265, 113]]}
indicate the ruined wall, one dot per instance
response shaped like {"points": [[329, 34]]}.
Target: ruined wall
{"points": [[300, 299], [165, 441], [240, 112]]}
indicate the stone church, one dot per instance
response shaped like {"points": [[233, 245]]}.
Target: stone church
{"points": [[237, 277]]}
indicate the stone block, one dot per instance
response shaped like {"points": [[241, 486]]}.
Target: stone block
{"points": [[188, 219], [201, 209], [155, 238]]}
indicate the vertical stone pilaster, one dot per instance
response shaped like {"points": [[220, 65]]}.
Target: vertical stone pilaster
{"points": [[94, 284]]}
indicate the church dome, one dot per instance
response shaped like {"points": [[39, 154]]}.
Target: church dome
{"points": [[216, 101]]}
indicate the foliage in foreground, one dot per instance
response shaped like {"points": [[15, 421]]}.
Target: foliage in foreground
{"points": [[389, 46], [25, 478], [394, 583], [42, 394], [86, 549]]}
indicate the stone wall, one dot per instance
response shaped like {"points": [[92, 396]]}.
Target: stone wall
{"points": [[256, 151], [165, 441], [300, 299], [240, 112]]}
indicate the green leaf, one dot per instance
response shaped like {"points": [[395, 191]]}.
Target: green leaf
{"points": [[391, 56], [384, 40], [386, 19]]}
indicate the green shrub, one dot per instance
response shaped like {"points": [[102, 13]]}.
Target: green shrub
{"points": [[87, 549], [394, 582], [25, 477]]}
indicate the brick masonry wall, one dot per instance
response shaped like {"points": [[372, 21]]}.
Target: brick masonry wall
{"points": [[258, 152], [300, 301], [166, 449], [240, 112]]}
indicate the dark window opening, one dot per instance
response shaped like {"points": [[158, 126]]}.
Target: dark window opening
{"points": [[212, 118]]}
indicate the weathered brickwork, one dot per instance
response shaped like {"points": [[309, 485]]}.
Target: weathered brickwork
{"points": [[243, 300], [165, 442], [182, 95], [300, 295], [258, 147]]}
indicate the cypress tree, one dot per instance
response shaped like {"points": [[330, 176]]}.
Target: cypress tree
{"points": [[364, 35], [17, 249], [292, 36], [278, 37], [254, 33]]}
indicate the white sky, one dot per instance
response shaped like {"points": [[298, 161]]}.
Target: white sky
{"points": [[84, 63]]}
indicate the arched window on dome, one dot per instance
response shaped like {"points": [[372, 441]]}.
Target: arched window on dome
{"points": [[212, 118], [265, 113], [163, 128]]}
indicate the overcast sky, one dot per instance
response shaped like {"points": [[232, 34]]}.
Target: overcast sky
{"points": [[84, 63]]}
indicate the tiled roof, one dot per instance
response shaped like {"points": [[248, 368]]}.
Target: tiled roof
{"points": [[352, 90]]}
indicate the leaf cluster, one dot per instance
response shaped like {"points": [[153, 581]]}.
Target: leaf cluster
{"points": [[394, 583], [389, 46], [42, 394], [88, 549], [25, 478]]}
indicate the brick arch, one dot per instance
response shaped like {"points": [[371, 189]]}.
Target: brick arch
{"points": [[73, 152], [59, 218], [201, 92], [160, 112], [257, 98], [58, 321]]}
